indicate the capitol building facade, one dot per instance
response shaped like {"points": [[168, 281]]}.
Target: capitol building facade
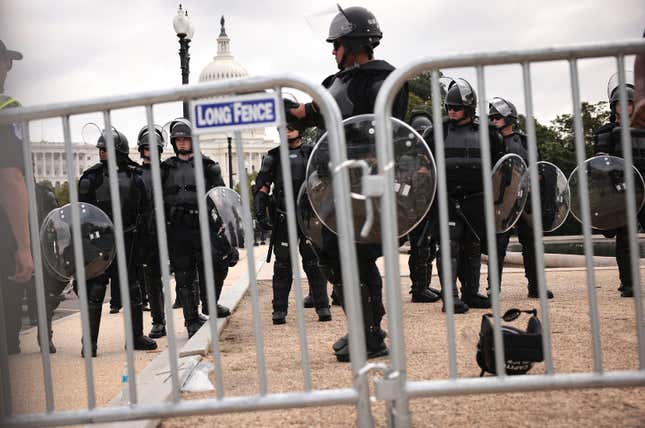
{"points": [[50, 160]]}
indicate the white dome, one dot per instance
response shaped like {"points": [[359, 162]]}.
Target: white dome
{"points": [[223, 65]]}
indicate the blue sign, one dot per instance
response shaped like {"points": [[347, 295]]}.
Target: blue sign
{"points": [[243, 112]]}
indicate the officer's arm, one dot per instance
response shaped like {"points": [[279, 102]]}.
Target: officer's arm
{"points": [[261, 191], [14, 200], [496, 144], [85, 185], [602, 141], [213, 176], [428, 136], [400, 105]]}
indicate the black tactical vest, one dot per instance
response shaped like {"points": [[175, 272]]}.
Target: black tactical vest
{"points": [[128, 194], [298, 159], [516, 143], [463, 159], [179, 186]]}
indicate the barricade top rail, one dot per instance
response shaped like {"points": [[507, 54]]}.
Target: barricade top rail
{"points": [[472, 59], [178, 93]]}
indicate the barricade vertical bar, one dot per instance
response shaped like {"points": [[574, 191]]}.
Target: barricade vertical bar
{"points": [[292, 228], [446, 275], [4, 355], [348, 259], [390, 245], [537, 219], [43, 329], [207, 254], [162, 246], [250, 259], [583, 187], [121, 256], [79, 260], [632, 209], [493, 271]]}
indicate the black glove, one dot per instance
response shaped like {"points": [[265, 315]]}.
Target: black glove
{"points": [[260, 204]]}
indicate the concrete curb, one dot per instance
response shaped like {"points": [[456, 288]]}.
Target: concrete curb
{"points": [[154, 384]]}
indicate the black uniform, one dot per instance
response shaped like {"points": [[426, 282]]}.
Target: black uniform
{"points": [[10, 292], [46, 201], [606, 142], [148, 257], [94, 188], [271, 173], [355, 90], [184, 240], [516, 143], [466, 205]]}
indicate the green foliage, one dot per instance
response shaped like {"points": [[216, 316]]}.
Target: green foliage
{"points": [[62, 193], [251, 181], [420, 95]]}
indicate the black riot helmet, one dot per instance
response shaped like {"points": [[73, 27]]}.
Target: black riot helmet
{"points": [[180, 128], [120, 142], [356, 29], [144, 138], [460, 93], [613, 93], [504, 108], [420, 120]]}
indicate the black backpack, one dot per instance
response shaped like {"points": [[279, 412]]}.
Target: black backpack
{"points": [[521, 348]]}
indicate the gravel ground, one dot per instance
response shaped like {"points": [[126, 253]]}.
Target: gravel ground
{"points": [[426, 344]]}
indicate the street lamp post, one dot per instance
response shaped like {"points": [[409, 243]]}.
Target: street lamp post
{"points": [[185, 31], [230, 163]]}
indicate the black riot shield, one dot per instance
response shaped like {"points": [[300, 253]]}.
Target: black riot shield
{"points": [[555, 197], [414, 177], [510, 190], [225, 210], [309, 224], [97, 237], [606, 184]]}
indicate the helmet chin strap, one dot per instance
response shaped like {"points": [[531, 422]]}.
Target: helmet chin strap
{"points": [[184, 152]]}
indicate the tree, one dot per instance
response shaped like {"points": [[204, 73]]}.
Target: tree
{"points": [[420, 95], [251, 181], [62, 193]]}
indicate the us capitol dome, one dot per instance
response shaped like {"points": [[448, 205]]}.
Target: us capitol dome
{"points": [[255, 141]]}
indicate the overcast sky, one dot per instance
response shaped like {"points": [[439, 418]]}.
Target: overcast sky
{"points": [[76, 49]]}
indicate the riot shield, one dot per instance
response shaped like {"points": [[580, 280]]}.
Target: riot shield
{"points": [[414, 177], [225, 210], [555, 197], [309, 224], [606, 184], [97, 236], [510, 189]]}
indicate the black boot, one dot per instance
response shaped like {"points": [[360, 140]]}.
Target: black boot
{"points": [[155, 296], [308, 301], [421, 293], [459, 306], [223, 311], [141, 341], [188, 295], [279, 317], [94, 310], [534, 294], [335, 299], [220, 276], [324, 314], [468, 272]]}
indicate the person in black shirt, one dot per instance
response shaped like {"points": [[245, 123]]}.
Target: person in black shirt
{"points": [[354, 33], [16, 265]]}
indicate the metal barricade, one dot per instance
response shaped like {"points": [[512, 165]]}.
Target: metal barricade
{"points": [[358, 394], [400, 389]]}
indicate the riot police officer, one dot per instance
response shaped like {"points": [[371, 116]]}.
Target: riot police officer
{"points": [[271, 173], [465, 193], [150, 269], [608, 142], [94, 188], [423, 247], [184, 240], [354, 33], [503, 116]]}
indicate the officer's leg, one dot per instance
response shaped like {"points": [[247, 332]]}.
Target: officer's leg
{"points": [[115, 290], [152, 279], [220, 273], [622, 259], [53, 289], [317, 282], [418, 264], [11, 311], [456, 229], [501, 240], [141, 341], [183, 259], [525, 236], [96, 289], [469, 272], [432, 256], [282, 274]]}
